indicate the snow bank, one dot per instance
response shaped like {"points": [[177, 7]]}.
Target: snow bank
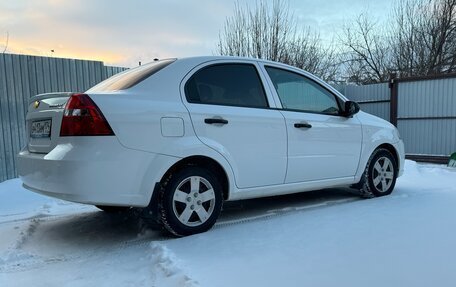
{"points": [[165, 268]]}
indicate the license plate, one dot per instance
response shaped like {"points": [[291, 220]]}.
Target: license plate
{"points": [[41, 129]]}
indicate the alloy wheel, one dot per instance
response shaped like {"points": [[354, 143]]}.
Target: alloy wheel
{"points": [[193, 201], [383, 174]]}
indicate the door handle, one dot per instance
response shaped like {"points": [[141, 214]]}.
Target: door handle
{"points": [[212, 121], [302, 125]]}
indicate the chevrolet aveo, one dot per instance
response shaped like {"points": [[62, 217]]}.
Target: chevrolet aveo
{"points": [[178, 137]]}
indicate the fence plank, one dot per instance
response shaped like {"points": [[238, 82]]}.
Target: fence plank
{"points": [[72, 76], [24, 97], [66, 75], [33, 78], [79, 75], [4, 132], [86, 75], [53, 75], [46, 75], [39, 73], [11, 121]]}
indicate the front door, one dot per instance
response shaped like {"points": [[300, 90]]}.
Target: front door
{"points": [[321, 143]]}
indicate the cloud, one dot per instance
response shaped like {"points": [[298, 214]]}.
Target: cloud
{"points": [[127, 31], [124, 32]]}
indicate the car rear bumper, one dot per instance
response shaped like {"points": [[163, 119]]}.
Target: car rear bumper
{"points": [[93, 170]]}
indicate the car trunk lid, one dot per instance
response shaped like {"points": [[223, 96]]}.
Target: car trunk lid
{"points": [[43, 121]]}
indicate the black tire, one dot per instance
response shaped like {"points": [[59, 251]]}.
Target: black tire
{"points": [[198, 207], [113, 209], [377, 180]]}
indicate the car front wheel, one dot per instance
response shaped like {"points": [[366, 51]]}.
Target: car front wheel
{"points": [[190, 202], [380, 175]]}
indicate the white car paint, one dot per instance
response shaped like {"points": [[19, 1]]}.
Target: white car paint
{"points": [[93, 171], [331, 147], [376, 132], [254, 142], [155, 127]]}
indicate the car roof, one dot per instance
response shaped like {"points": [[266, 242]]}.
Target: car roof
{"points": [[233, 58]]}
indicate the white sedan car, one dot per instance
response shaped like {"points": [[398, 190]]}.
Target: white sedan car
{"points": [[178, 137]]}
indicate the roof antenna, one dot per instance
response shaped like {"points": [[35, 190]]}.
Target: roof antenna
{"points": [[156, 59]]}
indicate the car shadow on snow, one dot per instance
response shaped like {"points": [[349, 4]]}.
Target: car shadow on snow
{"points": [[95, 229], [98, 229]]}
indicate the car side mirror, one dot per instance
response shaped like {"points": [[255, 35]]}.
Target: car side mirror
{"points": [[350, 109]]}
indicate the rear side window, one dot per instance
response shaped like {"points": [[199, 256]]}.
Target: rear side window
{"points": [[131, 77], [227, 84]]}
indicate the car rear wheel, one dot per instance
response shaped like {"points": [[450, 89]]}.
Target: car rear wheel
{"points": [[380, 175], [190, 202]]}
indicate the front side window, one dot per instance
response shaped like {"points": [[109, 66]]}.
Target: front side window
{"points": [[227, 84], [297, 92]]}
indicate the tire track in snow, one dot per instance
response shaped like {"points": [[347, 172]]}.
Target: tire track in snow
{"points": [[283, 211], [42, 216], [25, 235], [15, 259], [14, 256]]}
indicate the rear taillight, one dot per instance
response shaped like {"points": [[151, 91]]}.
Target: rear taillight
{"points": [[82, 117]]}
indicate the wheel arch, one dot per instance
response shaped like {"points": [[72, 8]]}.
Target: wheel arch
{"points": [[393, 151], [203, 162], [369, 151]]}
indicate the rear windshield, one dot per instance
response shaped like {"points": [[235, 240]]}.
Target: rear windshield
{"points": [[131, 77]]}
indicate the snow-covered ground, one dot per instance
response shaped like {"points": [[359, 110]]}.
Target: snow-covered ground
{"points": [[325, 238]]}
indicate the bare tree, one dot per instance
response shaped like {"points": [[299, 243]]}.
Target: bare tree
{"points": [[367, 59], [271, 33], [424, 41], [420, 41], [6, 42]]}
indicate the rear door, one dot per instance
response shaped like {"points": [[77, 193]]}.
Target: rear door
{"points": [[321, 143], [231, 113]]}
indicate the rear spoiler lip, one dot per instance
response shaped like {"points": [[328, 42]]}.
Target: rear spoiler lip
{"points": [[49, 96]]}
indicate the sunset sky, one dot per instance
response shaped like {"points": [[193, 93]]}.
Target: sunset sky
{"points": [[126, 32]]}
